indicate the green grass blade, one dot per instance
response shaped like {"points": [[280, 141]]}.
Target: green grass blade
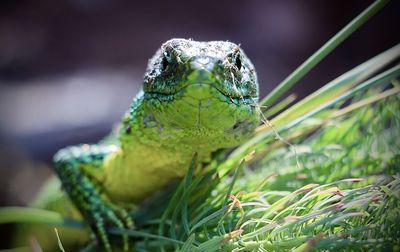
{"points": [[212, 216], [34, 215], [336, 87], [313, 110], [235, 176], [386, 76], [280, 106], [170, 208], [134, 233], [328, 47], [188, 246], [185, 197]]}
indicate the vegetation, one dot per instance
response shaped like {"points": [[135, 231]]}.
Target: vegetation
{"points": [[321, 174]]}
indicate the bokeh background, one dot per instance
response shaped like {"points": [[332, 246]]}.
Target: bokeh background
{"points": [[70, 68]]}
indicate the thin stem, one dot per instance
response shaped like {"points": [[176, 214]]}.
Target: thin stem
{"points": [[328, 47]]}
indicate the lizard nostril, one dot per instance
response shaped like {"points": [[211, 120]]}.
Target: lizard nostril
{"points": [[203, 61]]}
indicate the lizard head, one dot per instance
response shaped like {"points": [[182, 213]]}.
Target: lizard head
{"points": [[208, 88]]}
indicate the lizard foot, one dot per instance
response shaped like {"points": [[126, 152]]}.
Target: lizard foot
{"points": [[109, 215]]}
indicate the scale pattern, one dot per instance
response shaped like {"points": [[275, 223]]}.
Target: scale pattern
{"points": [[198, 97]]}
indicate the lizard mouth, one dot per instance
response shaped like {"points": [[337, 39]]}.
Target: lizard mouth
{"points": [[202, 91]]}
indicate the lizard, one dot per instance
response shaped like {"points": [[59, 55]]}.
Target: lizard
{"points": [[197, 97]]}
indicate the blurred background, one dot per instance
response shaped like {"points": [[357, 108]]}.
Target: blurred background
{"points": [[69, 69]]}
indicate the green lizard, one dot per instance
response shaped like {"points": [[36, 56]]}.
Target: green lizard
{"points": [[197, 97]]}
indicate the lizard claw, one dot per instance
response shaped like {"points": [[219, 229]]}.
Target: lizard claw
{"points": [[71, 165], [111, 215]]}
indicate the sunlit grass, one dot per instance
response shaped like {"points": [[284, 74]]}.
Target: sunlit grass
{"points": [[322, 174], [344, 194]]}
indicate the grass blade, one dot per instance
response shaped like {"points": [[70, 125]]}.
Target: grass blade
{"points": [[328, 47], [336, 87], [323, 98], [34, 215]]}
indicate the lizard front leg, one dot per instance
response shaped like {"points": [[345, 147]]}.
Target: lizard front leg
{"points": [[80, 169]]}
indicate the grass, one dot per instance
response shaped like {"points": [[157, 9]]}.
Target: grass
{"points": [[343, 194], [321, 174]]}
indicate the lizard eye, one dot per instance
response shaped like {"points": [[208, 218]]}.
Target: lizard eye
{"points": [[166, 60], [238, 62], [236, 59]]}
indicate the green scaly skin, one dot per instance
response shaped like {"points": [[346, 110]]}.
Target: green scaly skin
{"points": [[197, 97]]}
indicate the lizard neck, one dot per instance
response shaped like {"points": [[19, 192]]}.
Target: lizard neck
{"points": [[150, 156], [139, 169]]}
